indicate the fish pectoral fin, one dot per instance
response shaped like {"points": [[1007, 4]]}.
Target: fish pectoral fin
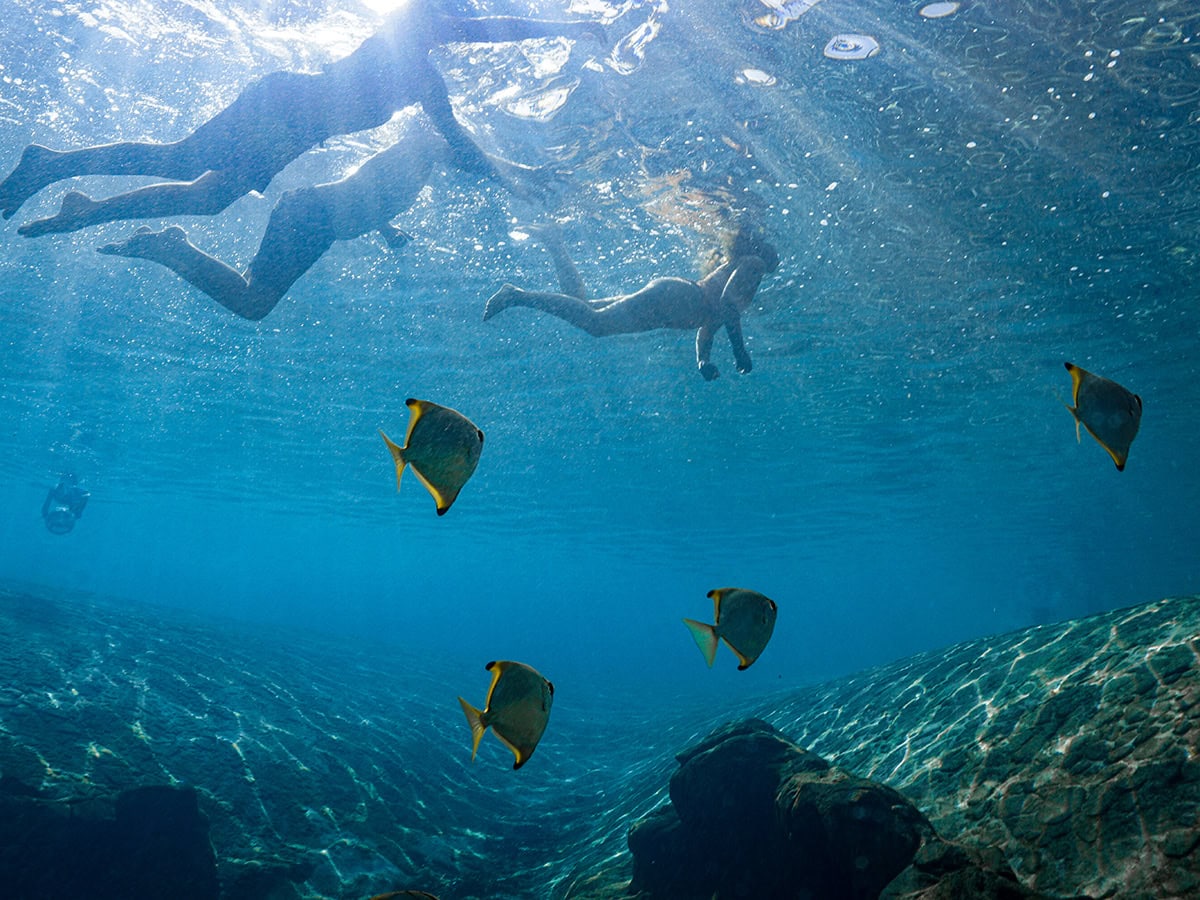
{"points": [[705, 637], [475, 720], [397, 456]]}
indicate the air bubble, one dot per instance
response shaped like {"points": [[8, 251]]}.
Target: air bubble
{"points": [[758, 76], [939, 10], [851, 46]]}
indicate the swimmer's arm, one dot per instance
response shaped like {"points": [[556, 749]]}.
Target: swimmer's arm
{"points": [[522, 181], [733, 327], [738, 292], [704, 343], [436, 103]]}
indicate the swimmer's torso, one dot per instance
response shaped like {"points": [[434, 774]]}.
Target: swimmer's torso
{"points": [[389, 71]]}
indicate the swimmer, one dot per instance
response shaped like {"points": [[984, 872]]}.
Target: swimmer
{"points": [[274, 120], [64, 505], [303, 225], [714, 302]]}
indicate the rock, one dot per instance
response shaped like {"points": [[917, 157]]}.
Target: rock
{"points": [[942, 870], [754, 815], [259, 880], [143, 844]]}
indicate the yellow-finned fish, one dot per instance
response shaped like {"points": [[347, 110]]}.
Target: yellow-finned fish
{"points": [[517, 709], [1109, 412], [442, 447], [744, 620]]}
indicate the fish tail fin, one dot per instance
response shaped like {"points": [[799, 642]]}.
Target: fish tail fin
{"points": [[397, 456], [475, 720], [705, 637]]}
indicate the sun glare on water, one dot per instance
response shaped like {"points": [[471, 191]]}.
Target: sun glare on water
{"points": [[383, 7]]}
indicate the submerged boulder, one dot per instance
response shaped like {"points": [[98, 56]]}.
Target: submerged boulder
{"points": [[144, 843], [754, 815]]}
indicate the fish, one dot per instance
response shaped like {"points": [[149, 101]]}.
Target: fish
{"points": [[517, 709], [442, 447], [1109, 412], [743, 619]]}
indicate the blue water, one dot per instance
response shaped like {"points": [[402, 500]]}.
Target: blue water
{"points": [[994, 193]]}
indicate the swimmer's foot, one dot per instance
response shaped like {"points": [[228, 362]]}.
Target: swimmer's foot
{"points": [[77, 211], [501, 300], [34, 171], [156, 246]]}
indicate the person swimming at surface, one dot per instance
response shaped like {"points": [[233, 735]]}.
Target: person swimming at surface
{"points": [[276, 119], [303, 225], [714, 302]]}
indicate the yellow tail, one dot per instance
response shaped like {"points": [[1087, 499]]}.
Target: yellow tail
{"points": [[397, 456], [475, 720], [705, 637]]}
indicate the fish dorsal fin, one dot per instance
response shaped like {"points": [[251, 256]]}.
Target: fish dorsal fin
{"points": [[496, 667], [1077, 376], [716, 594], [397, 456], [416, 409]]}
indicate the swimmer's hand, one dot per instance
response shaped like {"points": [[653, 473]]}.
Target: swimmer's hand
{"points": [[709, 371], [395, 237]]}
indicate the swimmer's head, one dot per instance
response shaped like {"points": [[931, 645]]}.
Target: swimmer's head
{"points": [[748, 240], [59, 520]]}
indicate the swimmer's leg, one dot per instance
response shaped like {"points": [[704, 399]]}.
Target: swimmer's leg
{"points": [[579, 313], [36, 169], [40, 166], [298, 234], [171, 248], [550, 237], [207, 195]]}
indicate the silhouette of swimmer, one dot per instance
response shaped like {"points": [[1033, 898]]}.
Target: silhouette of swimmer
{"points": [[303, 225], [714, 302], [277, 118], [64, 505]]}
